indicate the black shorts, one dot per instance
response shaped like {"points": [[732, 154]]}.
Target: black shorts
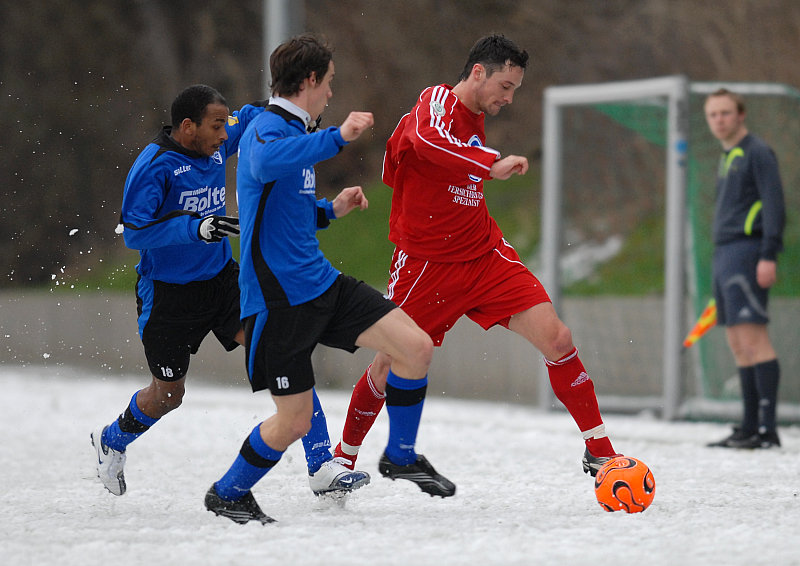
{"points": [[279, 342], [179, 316], [740, 299]]}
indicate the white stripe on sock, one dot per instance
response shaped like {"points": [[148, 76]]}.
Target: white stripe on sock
{"points": [[596, 432], [349, 450]]}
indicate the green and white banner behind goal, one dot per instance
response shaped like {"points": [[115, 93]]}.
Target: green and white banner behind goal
{"points": [[634, 162]]}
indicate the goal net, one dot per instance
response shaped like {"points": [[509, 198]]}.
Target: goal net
{"points": [[628, 186]]}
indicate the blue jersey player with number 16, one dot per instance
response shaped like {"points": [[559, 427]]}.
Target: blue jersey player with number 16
{"points": [[292, 298]]}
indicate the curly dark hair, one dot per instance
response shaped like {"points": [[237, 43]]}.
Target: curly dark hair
{"points": [[192, 102]]}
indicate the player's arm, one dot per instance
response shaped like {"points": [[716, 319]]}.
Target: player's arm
{"points": [[274, 153], [433, 141], [347, 200], [146, 226], [766, 273], [773, 208], [237, 124], [503, 168]]}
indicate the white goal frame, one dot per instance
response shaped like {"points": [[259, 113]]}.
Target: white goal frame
{"points": [[675, 89]]}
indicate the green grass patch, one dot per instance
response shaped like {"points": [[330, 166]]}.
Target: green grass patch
{"points": [[358, 245], [637, 270]]}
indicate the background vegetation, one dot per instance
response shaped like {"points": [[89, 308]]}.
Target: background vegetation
{"points": [[84, 86]]}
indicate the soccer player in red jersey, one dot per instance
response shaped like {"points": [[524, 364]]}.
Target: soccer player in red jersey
{"points": [[451, 258]]}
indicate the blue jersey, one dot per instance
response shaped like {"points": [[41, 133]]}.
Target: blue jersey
{"points": [[279, 213], [168, 191]]}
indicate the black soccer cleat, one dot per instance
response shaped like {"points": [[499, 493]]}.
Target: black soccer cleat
{"points": [[769, 439], [421, 473], [239, 511], [592, 464], [740, 438]]}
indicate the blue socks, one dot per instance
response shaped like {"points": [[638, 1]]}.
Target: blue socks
{"points": [[317, 443], [255, 459], [404, 401], [128, 427]]}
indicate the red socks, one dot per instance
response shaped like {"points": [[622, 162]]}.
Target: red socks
{"points": [[365, 404], [573, 387]]}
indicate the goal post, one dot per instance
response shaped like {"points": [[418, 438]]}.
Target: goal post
{"points": [[635, 159], [674, 91]]}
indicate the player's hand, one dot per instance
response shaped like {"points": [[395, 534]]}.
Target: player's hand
{"points": [[214, 228], [766, 273], [348, 199], [502, 169], [355, 125]]}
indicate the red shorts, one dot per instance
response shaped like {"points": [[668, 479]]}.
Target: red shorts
{"points": [[489, 290]]}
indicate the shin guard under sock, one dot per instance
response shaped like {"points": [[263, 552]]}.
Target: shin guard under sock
{"points": [[130, 425], [317, 442], [404, 401], [574, 388], [366, 403], [255, 459]]}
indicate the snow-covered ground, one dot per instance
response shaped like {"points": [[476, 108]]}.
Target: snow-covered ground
{"points": [[522, 497]]}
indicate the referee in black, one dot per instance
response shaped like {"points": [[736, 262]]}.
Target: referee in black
{"points": [[749, 218]]}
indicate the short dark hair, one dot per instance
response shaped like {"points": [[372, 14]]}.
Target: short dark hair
{"points": [[494, 52], [737, 98], [192, 103], [295, 59]]}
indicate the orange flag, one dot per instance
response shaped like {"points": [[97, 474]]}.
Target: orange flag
{"points": [[708, 318]]}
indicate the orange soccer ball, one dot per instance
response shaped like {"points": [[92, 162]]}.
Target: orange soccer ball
{"points": [[624, 483]]}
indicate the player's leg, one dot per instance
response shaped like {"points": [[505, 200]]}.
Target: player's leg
{"points": [[366, 403], [507, 293], [742, 309], [571, 383], [231, 495], [759, 373], [326, 474], [168, 342], [410, 350], [423, 290], [323, 474], [280, 361]]}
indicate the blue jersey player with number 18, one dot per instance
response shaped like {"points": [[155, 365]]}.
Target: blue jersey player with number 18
{"points": [[173, 212]]}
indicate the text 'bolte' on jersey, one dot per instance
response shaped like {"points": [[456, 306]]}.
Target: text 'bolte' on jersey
{"points": [[436, 162], [168, 190]]}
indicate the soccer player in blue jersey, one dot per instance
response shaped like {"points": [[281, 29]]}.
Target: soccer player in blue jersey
{"points": [[749, 218], [293, 298], [173, 212]]}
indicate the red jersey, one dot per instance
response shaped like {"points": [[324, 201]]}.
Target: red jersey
{"points": [[436, 162]]}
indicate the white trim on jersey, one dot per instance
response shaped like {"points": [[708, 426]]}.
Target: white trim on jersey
{"points": [[437, 124]]}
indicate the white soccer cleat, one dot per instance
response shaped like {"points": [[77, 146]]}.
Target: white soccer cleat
{"points": [[333, 477], [110, 464]]}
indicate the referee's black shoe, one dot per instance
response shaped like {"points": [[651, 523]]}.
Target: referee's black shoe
{"points": [[740, 438], [421, 473], [239, 511]]}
